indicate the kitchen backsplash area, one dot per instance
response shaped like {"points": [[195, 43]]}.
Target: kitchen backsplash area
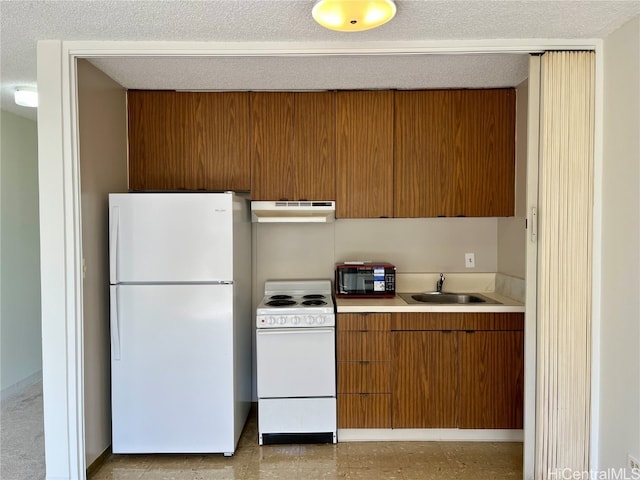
{"points": [[416, 245]]}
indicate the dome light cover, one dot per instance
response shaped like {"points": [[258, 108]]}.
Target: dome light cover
{"points": [[26, 97], [353, 15]]}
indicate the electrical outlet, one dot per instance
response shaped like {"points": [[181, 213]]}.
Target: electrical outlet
{"points": [[633, 463], [470, 260]]}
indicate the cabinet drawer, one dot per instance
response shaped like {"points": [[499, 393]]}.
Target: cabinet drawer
{"points": [[364, 411], [425, 321], [364, 321], [363, 346], [364, 377]]}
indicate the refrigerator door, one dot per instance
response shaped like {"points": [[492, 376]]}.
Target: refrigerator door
{"points": [[172, 369], [171, 237]]}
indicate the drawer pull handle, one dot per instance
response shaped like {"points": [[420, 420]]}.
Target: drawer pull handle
{"points": [[364, 362]]}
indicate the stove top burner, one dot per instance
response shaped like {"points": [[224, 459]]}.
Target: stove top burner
{"points": [[280, 297], [281, 303], [314, 295], [314, 302]]}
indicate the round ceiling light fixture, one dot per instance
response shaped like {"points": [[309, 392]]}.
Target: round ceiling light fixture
{"points": [[353, 15], [26, 97]]}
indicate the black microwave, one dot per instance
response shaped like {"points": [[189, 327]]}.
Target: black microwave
{"points": [[365, 280]]}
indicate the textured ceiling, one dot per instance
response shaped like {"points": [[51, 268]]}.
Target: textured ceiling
{"points": [[317, 73], [23, 23]]}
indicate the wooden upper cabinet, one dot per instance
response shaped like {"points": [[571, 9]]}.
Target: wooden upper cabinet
{"points": [[188, 140], [487, 159], [292, 145], [364, 154], [454, 153], [424, 145]]}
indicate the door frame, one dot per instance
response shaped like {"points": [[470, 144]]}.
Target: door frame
{"points": [[60, 215]]}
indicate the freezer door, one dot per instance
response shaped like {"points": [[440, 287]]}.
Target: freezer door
{"points": [[172, 369], [171, 237]]}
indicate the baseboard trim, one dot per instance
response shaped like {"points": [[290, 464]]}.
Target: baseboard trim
{"points": [[428, 435], [20, 386], [98, 462]]}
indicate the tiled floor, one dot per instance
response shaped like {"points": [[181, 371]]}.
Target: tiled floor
{"points": [[370, 461]]}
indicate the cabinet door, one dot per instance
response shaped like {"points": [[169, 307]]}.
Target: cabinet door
{"points": [[188, 140], [293, 146], [364, 154], [425, 386], [425, 140], [491, 379], [271, 146], [487, 155], [454, 153], [314, 146]]}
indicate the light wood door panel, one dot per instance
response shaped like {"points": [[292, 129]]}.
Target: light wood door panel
{"points": [[188, 140], [424, 380], [491, 379], [364, 154], [364, 411]]}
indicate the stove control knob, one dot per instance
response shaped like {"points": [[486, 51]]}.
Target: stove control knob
{"points": [[320, 320], [271, 320], [295, 320], [281, 320], [310, 319]]}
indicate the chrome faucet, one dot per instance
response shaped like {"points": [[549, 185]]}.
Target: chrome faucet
{"points": [[439, 283]]}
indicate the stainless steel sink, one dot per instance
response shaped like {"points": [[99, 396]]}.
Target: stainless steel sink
{"points": [[446, 298]]}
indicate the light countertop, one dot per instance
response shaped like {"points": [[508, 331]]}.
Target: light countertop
{"points": [[478, 283], [397, 304]]}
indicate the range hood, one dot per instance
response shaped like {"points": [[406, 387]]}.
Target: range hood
{"points": [[282, 211]]}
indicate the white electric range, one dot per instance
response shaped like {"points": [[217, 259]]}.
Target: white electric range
{"points": [[295, 352]]}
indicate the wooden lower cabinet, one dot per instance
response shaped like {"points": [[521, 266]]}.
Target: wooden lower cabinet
{"points": [[491, 379], [457, 370], [431, 370], [364, 410], [425, 379], [364, 370]]}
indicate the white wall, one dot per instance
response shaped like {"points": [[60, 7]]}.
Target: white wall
{"points": [[103, 169], [414, 245], [511, 230], [619, 414], [20, 324]]}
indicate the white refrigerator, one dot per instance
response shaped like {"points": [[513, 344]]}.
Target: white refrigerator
{"points": [[180, 292]]}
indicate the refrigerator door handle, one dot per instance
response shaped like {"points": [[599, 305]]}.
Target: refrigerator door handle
{"points": [[113, 244], [114, 316]]}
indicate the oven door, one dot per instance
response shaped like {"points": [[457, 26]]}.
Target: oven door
{"points": [[296, 362]]}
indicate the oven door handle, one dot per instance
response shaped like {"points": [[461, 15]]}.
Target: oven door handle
{"points": [[298, 330]]}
